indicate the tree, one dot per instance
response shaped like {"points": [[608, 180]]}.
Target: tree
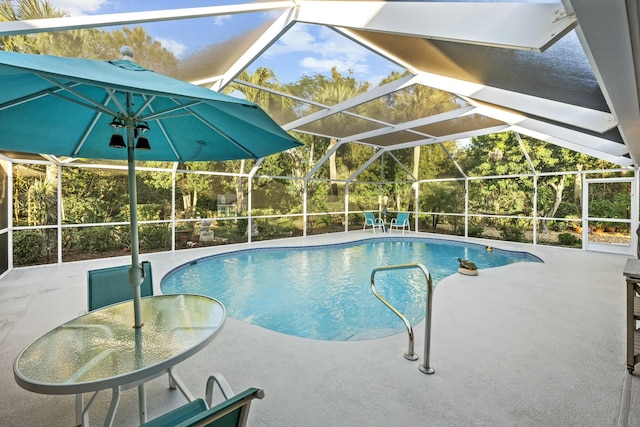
{"points": [[84, 43], [443, 197], [268, 101], [501, 154], [330, 92], [148, 52], [497, 155], [413, 103], [28, 9]]}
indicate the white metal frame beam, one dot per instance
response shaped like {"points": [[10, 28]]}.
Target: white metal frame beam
{"points": [[585, 118], [406, 126], [610, 36], [31, 26], [592, 120], [571, 145], [270, 36], [350, 103], [528, 26], [451, 137]]}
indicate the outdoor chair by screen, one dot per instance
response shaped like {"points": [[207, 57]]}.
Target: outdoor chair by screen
{"points": [[371, 221], [232, 412], [111, 285], [400, 222]]}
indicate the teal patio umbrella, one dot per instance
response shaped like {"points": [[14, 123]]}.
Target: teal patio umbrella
{"points": [[119, 110]]}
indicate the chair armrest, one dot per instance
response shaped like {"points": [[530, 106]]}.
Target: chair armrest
{"points": [[231, 412], [223, 385]]}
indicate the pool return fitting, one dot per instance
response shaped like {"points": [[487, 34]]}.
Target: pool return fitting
{"points": [[410, 354]]}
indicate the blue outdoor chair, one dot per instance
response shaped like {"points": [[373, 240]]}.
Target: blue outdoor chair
{"points": [[401, 221], [110, 285], [371, 221], [232, 412]]}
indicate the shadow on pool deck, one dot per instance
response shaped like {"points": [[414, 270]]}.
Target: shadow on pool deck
{"points": [[527, 344]]}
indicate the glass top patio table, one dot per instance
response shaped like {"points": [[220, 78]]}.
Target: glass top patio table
{"points": [[102, 349]]}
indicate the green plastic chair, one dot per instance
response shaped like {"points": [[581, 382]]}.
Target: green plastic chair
{"points": [[110, 285], [371, 221], [232, 412], [401, 221]]}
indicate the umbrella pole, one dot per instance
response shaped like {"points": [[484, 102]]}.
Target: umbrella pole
{"points": [[135, 272]]}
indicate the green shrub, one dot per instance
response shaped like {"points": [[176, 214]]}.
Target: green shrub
{"points": [[241, 226], [568, 239], [149, 211], [512, 233], [96, 239], [27, 247], [458, 226], [154, 236], [475, 230], [325, 220], [557, 225], [568, 209]]}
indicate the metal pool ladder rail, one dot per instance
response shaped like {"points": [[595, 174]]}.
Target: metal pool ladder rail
{"points": [[410, 354]]}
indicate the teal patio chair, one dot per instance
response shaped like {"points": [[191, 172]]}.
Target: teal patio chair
{"points": [[401, 221], [371, 221], [110, 285], [232, 412]]}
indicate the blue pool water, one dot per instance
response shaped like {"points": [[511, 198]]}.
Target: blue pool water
{"points": [[324, 292]]}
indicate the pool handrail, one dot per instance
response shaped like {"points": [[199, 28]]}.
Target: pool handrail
{"points": [[410, 354]]}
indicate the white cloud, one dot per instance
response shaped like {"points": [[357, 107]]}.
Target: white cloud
{"points": [[177, 48], [79, 7], [323, 49], [297, 39], [219, 21], [322, 66]]}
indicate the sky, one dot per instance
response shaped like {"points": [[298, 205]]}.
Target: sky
{"points": [[304, 50]]}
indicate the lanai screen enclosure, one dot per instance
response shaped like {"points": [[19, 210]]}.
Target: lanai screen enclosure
{"points": [[512, 120]]}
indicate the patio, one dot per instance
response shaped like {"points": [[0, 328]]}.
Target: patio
{"points": [[526, 344]]}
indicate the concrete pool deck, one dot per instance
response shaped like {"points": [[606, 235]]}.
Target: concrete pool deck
{"points": [[528, 344]]}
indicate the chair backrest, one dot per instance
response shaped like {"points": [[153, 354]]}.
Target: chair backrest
{"points": [[233, 412], [178, 415], [369, 218], [110, 285], [402, 218]]}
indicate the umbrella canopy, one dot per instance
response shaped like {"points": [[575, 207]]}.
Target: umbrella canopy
{"points": [[74, 107], [64, 106]]}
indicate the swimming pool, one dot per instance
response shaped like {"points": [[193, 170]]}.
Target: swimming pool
{"points": [[323, 292]]}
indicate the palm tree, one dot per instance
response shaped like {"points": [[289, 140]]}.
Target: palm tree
{"points": [[29, 9], [268, 101], [331, 92], [83, 43], [416, 102]]}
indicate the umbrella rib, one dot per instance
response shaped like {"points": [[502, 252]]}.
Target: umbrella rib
{"points": [[114, 98], [96, 107], [227, 137], [169, 141], [86, 134], [89, 102], [145, 105], [28, 98], [24, 99], [166, 135], [159, 115]]}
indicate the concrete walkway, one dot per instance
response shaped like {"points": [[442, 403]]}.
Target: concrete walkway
{"points": [[529, 344]]}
